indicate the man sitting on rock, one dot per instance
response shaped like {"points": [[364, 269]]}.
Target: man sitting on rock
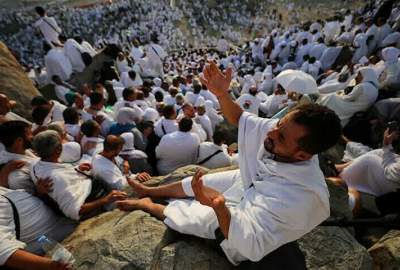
{"points": [[108, 167], [278, 195], [73, 189]]}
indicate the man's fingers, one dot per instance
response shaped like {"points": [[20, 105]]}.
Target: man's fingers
{"points": [[228, 73], [203, 80]]}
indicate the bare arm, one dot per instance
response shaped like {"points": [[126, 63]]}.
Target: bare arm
{"points": [[21, 259], [218, 83], [113, 196]]}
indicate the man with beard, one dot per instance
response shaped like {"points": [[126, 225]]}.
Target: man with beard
{"points": [[249, 102], [278, 194], [17, 137]]}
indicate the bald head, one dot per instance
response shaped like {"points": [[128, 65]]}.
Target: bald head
{"points": [[113, 144]]}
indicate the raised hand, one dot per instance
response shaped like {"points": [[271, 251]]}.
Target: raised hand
{"points": [[205, 195], [217, 82]]}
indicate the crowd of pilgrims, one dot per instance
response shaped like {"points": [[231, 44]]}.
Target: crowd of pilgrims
{"points": [[149, 114], [122, 20]]}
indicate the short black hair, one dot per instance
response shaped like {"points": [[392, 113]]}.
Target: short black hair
{"points": [[186, 124], [71, 116], [197, 88], [112, 145], [95, 98], [168, 111], [39, 101], [323, 126], [159, 96], [132, 74], [219, 136], [40, 10], [39, 114], [127, 92], [10, 131], [88, 128]]}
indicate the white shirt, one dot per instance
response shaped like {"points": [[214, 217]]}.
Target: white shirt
{"points": [[168, 124], [109, 172], [35, 219], [49, 28], [72, 130], [57, 63], [20, 178], [176, 150], [73, 50], [70, 188], [128, 82], [220, 160]]}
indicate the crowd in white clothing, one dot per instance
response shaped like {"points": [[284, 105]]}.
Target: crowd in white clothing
{"points": [[152, 111]]}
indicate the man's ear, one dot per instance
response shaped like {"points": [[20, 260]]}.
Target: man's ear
{"points": [[302, 155]]}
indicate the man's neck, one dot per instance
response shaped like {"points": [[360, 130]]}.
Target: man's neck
{"points": [[16, 150], [108, 156]]}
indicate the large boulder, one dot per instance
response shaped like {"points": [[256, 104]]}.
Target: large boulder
{"points": [[135, 240], [15, 83], [386, 252]]}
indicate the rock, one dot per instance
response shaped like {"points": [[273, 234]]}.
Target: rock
{"points": [[338, 201], [333, 248], [386, 252], [15, 83], [118, 240]]}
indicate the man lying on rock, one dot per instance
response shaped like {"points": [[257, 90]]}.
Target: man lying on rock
{"points": [[278, 194]]}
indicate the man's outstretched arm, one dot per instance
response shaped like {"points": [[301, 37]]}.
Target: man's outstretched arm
{"points": [[218, 83]]}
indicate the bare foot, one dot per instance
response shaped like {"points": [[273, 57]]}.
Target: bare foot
{"points": [[133, 204], [140, 189]]}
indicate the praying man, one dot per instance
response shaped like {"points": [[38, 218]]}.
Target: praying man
{"points": [[255, 213]]}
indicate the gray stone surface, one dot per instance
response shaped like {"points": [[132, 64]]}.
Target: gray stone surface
{"points": [[118, 240], [386, 252]]}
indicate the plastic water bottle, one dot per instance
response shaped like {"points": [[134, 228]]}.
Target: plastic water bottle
{"points": [[55, 250]]}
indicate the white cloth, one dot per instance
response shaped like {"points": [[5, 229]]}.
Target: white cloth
{"points": [[360, 98], [128, 82], [260, 223], [109, 172], [170, 125], [376, 172], [35, 218], [20, 178], [57, 63], [96, 141], [72, 129], [70, 188], [49, 29], [71, 152], [249, 103], [136, 53], [220, 160], [176, 150], [273, 104], [205, 122], [73, 50]]}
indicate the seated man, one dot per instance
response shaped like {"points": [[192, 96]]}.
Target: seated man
{"points": [[214, 155], [73, 190], [18, 243], [177, 149], [55, 108], [278, 195], [17, 137], [108, 167]]}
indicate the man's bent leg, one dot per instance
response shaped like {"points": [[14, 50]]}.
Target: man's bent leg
{"points": [[144, 204]]}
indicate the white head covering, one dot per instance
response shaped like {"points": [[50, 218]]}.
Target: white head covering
{"points": [[369, 75], [71, 152], [128, 115], [151, 114], [157, 82], [390, 55], [128, 149]]}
